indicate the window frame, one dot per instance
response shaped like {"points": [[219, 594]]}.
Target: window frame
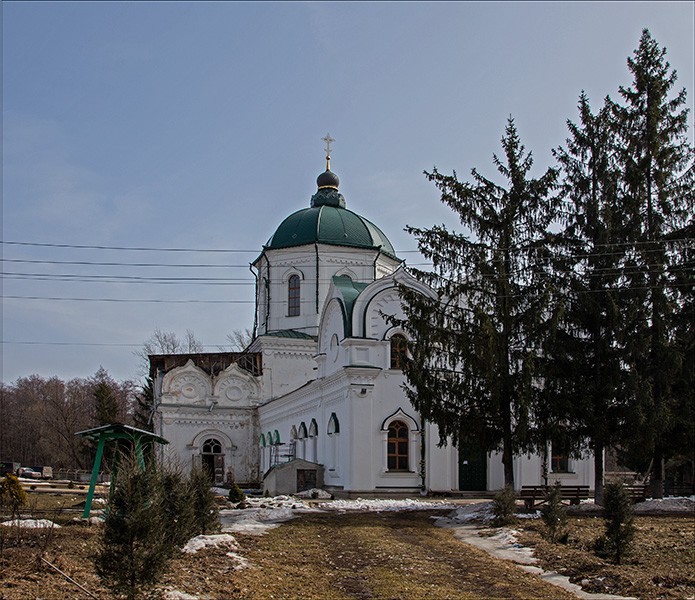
{"points": [[294, 295], [560, 456], [398, 447], [398, 351]]}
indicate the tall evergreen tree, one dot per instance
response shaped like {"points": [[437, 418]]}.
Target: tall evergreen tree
{"points": [[584, 378], [473, 358], [144, 405], [105, 405], [658, 178]]}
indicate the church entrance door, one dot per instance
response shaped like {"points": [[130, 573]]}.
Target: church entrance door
{"points": [[472, 468], [213, 460]]}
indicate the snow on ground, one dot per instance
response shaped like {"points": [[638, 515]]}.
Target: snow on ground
{"points": [[30, 523], [481, 511], [176, 595], [219, 540], [315, 494], [210, 541], [671, 504], [378, 505], [262, 514]]}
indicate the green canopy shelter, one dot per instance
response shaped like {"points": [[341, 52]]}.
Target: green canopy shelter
{"points": [[141, 442]]}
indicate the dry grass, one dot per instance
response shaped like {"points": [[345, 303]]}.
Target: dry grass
{"points": [[661, 564], [331, 556], [362, 555]]}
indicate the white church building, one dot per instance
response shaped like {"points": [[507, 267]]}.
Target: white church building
{"points": [[319, 391]]}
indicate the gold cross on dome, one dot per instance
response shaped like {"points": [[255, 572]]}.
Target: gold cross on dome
{"points": [[329, 140]]}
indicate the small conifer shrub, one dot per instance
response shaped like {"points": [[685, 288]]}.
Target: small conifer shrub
{"points": [[177, 506], [615, 543], [12, 494], [205, 511], [135, 548], [554, 516], [236, 495], [504, 507]]}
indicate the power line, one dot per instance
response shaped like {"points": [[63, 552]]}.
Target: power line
{"points": [[244, 251], [133, 300], [119, 264], [135, 248], [105, 279], [127, 277], [101, 344]]}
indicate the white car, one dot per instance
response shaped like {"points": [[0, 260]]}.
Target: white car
{"points": [[29, 473]]}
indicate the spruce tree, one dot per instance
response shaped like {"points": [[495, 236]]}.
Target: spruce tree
{"points": [[554, 515], [136, 546], [584, 373], [657, 186], [144, 405], [476, 342], [619, 524], [105, 404]]}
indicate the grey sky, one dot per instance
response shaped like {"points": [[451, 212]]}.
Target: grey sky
{"points": [[199, 125]]}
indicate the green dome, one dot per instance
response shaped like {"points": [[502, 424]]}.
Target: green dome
{"points": [[329, 225], [327, 221]]}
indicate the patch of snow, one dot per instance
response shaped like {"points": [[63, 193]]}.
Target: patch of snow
{"points": [[262, 514], [89, 521], [277, 502], [210, 541], [315, 493], [533, 515], [176, 595], [379, 505], [30, 523], [242, 563], [480, 511], [670, 504]]}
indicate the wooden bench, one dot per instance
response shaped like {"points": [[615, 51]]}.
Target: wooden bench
{"points": [[680, 489], [535, 495], [637, 492]]}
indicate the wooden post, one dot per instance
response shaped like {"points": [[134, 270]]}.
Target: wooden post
{"points": [[95, 474]]}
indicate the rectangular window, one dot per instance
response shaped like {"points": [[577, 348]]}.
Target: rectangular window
{"points": [[559, 458], [293, 296]]}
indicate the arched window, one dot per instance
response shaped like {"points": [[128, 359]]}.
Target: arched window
{"points": [[333, 425], [293, 296], [397, 448], [212, 446], [399, 351]]}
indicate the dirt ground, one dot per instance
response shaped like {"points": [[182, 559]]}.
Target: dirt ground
{"points": [[389, 555], [661, 563]]}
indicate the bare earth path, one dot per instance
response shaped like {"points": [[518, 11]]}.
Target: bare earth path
{"points": [[390, 555]]}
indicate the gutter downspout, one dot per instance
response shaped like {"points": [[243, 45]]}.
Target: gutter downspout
{"points": [[255, 312], [316, 247], [423, 462], [267, 289]]}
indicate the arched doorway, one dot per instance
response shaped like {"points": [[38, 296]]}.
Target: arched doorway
{"points": [[213, 460]]}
